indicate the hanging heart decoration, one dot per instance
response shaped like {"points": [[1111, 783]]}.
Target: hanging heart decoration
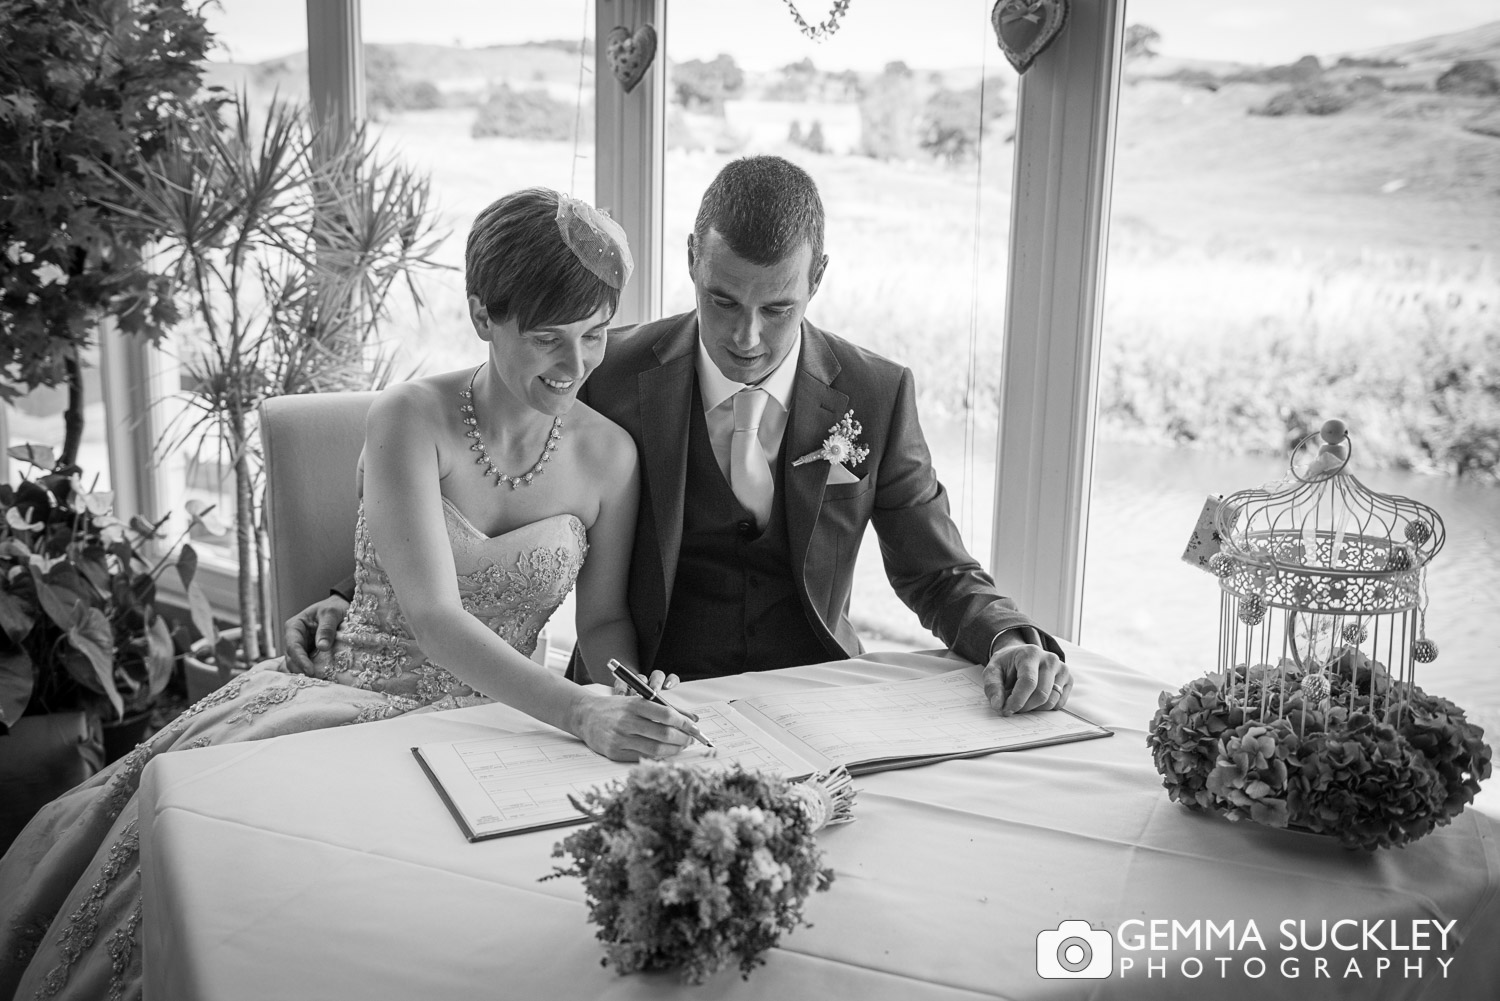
{"points": [[1026, 27], [630, 54]]}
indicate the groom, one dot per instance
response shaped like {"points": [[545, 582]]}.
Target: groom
{"points": [[752, 506]]}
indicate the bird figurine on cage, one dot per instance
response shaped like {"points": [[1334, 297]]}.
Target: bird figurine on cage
{"points": [[1313, 718]]}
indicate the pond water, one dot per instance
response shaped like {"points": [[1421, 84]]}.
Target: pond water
{"points": [[1145, 607]]}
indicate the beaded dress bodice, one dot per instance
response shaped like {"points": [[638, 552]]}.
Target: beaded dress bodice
{"points": [[511, 582]]}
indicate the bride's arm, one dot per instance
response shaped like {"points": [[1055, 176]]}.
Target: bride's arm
{"points": [[403, 512], [605, 628]]}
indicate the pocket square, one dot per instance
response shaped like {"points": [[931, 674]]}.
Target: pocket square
{"points": [[838, 474]]}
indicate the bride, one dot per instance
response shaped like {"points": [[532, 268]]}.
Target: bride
{"points": [[483, 492]]}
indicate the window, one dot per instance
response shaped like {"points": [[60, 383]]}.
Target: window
{"points": [[487, 99], [1294, 237], [908, 136], [37, 419]]}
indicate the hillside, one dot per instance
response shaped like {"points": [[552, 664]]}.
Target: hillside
{"points": [[1482, 42]]}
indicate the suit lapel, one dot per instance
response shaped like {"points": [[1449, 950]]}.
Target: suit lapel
{"points": [[664, 394], [816, 406]]}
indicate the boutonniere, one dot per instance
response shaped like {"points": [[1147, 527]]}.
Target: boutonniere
{"points": [[841, 446]]}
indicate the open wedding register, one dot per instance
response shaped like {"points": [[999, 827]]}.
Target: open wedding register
{"points": [[521, 781]]}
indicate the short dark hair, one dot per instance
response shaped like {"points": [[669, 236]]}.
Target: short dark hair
{"points": [[517, 265], [765, 208]]}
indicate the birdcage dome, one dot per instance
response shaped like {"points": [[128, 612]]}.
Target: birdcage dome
{"points": [[1322, 542]]}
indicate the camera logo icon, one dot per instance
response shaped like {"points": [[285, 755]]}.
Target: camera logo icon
{"points": [[1074, 950]]}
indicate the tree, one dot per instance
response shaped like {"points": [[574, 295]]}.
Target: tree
{"points": [[1141, 41], [524, 114], [87, 89], [815, 143], [705, 86], [888, 115], [1470, 76], [288, 239], [389, 90], [795, 82], [952, 119]]}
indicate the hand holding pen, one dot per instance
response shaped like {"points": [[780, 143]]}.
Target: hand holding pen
{"points": [[637, 684]]}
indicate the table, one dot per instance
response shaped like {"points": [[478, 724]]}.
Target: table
{"points": [[322, 865]]}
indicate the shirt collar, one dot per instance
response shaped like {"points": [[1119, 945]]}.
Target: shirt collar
{"points": [[715, 387]]}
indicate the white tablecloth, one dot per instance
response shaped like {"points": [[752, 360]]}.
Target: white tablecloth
{"points": [[323, 865]]}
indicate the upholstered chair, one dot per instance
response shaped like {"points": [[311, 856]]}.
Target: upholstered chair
{"points": [[312, 444]]}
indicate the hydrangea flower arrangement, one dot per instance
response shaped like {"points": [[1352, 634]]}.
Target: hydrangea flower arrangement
{"points": [[1330, 752], [694, 868]]}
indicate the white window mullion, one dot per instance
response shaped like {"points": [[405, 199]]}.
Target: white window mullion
{"points": [[336, 61], [132, 383], [1049, 380], [630, 150]]}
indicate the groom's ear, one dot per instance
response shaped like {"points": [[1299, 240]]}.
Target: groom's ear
{"points": [[816, 278], [479, 315]]}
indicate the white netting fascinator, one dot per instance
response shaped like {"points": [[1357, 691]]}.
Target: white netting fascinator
{"points": [[596, 239]]}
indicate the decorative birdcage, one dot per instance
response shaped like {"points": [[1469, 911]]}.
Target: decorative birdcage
{"points": [[1314, 718]]}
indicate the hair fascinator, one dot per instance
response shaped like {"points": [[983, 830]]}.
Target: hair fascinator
{"points": [[595, 239]]}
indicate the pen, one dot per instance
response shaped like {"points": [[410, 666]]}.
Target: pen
{"points": [[637, 684]]}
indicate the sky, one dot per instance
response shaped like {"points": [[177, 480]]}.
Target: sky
{"points": [[761, 34]]}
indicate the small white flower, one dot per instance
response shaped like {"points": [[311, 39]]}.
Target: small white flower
{"points": [[44, 563], [19, 520], [836, 449], [99, 503], [49, 274]]}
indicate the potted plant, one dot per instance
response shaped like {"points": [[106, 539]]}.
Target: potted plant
{"points": [[87, 89], [287, 240], [84, 651]]}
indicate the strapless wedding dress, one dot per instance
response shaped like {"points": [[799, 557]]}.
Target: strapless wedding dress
{"points": [[70, 904]]}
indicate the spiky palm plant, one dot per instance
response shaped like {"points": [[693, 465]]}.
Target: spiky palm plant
{"points": [[288, 242]]}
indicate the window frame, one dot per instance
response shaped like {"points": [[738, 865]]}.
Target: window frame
{"points": [[1064, 153], [1060, 200]]}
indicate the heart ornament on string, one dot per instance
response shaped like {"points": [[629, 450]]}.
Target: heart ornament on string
{"points": [[1026, 27], [630, 54]]}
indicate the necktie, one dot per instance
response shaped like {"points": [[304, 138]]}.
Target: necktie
{"points": [[749, 473]]}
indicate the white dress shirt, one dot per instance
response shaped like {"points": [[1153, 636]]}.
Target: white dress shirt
{"points": [[718, 392]]}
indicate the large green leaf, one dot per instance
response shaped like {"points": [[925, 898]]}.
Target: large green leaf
{"points": [[40, 456], [15, 617], [160, 655], [16, 679], [93, 638], [198, 607], [61, 605]]}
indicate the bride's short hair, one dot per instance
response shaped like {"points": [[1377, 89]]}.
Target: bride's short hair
{"points": [[517, 264]]}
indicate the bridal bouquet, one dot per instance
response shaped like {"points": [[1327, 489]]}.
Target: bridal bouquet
{"points": [[1331, 752], [692, 868]]}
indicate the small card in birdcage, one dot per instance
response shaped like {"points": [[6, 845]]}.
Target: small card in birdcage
{"points": [[1204, 542]]}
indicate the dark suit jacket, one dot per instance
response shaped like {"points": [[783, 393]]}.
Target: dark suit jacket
{"points": [[645, 384]]}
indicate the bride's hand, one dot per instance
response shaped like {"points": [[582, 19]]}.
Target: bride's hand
{"points": [[629, 728], [658, 682]]}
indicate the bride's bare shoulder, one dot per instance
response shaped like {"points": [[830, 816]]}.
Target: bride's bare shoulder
{"points": [[432, 400], [605, 444]]}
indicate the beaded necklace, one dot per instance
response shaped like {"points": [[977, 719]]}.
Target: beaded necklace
{"points": [[524, 480]]}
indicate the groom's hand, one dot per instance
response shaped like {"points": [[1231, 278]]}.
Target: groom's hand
{"points": [[311, 631], [1022, 677]]}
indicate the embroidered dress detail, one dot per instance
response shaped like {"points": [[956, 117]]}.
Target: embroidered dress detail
{"points": [[83, 923], [124, 954], [275, 697], [512, 583]]}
